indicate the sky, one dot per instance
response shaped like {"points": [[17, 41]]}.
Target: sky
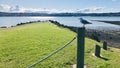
{"points": [[60, 5]]}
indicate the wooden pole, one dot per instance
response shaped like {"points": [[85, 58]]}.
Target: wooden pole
{"points": [[80, 47], [97, 51], [105, 45]]}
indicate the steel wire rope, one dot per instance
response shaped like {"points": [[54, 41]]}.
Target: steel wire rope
{"points": [[54, 52]]}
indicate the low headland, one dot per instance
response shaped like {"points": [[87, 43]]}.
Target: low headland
{"points": [[110, 36], [22, 45]]}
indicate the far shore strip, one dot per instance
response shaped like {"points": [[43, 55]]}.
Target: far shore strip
{"points": [[111, 22]]}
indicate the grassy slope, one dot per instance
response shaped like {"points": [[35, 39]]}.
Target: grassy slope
{"points": [[23, 45]]}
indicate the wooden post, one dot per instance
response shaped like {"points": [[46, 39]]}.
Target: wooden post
{"points": [[97, 51], [105, 45], [80, 47]]}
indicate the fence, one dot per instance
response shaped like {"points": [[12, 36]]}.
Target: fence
{"points": [[53, 53], [80, 49]]}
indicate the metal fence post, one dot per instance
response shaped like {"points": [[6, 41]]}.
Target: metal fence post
{"points": [[105, 45], [80, 47], [97, 50]]}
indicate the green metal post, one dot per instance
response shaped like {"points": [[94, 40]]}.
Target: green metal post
{"points": [[97, 51], [105, 45], [80, 47]]}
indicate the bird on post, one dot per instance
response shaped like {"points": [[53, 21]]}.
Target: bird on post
{"points": [[84, 22]]}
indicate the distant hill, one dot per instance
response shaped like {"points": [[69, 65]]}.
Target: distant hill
{"points": [[59, 14]]}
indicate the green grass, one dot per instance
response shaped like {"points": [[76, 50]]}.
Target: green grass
{"points": [[23, 45]]}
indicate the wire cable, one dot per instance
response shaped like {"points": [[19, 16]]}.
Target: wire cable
{"points": [[54, 52]]}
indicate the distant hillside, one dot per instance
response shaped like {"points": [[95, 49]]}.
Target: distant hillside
{"points": [[59, 14]]}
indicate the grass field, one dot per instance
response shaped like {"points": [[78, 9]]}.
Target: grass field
{"points": [[23, 45]]}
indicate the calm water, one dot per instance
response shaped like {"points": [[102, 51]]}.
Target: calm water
{"points": [[70, 21]]}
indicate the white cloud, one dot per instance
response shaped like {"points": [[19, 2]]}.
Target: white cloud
{"points": [[7, 8], [17, 8], [91, 9], [4, 8]]}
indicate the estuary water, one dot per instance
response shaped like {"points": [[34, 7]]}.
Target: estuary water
{"points": [[70, 21]]}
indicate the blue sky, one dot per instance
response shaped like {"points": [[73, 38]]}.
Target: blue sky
{"points": [[106, 5]]}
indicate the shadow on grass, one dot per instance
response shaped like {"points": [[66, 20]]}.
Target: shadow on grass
{"points": [[106, 59]]}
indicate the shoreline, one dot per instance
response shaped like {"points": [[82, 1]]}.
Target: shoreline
{"points": [[110, 22], [22, 23], [112, 37]]}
